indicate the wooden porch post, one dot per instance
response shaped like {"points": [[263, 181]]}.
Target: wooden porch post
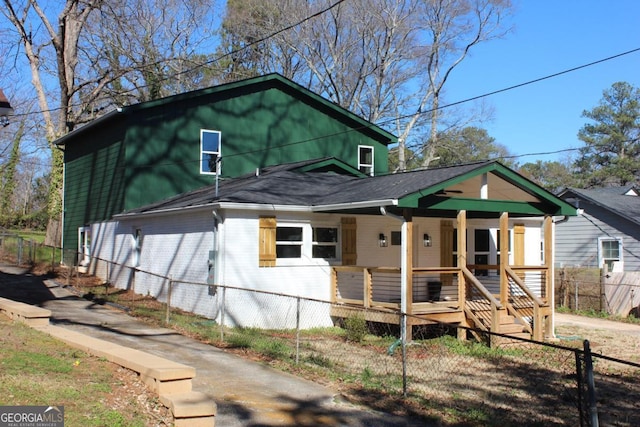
{"points": [[462, 262], [549, 239], [504, 257]]}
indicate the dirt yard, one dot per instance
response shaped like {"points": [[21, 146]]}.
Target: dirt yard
{"points": [[606, 337]]}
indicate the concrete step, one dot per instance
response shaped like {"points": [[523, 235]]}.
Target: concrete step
{"points": [[192, 409]]}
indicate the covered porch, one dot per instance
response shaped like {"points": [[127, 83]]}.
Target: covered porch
{"points": [[501, 294], [513, 299]]}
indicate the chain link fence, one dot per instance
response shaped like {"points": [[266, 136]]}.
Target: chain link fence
{"points": [[16, 249], [436, 376]]}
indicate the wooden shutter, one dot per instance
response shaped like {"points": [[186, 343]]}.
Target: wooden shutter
{"points": [[518, 244], [267, 242], [349, 251], [446, 250], [446, 244]]}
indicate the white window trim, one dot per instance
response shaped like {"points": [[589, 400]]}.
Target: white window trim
{"points": [[367, 165], [601, 258], [84, 246], [203, 151], [306, 257], [136, 246]]}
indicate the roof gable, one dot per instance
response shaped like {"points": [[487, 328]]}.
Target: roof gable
{"points": [[239, 88]]}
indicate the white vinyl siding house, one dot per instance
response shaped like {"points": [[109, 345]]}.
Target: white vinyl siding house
{"points": [[286, 234], [177, 246]]}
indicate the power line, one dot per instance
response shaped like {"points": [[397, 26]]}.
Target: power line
{"points": [[609, 58], [380, 124], [211, 61]]}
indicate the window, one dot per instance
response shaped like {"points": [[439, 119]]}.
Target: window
{"points": [[288, 242], [481, 247], [292, 243], [325, 242], [365, 159], [610, 250], [136, 248], [209, 151]]}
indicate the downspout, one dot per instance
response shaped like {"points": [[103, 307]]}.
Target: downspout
{"points": [[215, 259], [403, 264], [552, 297]]}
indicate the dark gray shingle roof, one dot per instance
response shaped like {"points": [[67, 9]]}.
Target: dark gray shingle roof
{"points": [[613, 199], [283, 185]]}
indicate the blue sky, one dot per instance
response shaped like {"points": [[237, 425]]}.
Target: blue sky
{"points": [[550, 36]]}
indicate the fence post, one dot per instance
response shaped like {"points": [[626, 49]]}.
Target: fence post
{"points": [[603, 297], [166, 320], [591, 387], [579, 377], [297, 330], [222, 304], [19, 250], [403, 339], [576, 293]]}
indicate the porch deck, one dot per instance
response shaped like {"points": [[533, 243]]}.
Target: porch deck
{"points": [[475, 296]]}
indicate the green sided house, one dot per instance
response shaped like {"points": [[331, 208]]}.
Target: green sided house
{"points": [[147, 152]]}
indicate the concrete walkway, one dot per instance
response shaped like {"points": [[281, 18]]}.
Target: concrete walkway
{"points": [[247, 394]]}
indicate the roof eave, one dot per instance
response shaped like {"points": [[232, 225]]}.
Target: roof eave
{"points": [[355, 205]]}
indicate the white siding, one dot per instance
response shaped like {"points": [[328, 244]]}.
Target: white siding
{"points": [[177, 246]]}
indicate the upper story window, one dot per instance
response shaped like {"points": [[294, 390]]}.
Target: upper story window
{"points": [[210, 141], [610, 253], [365, 159]]}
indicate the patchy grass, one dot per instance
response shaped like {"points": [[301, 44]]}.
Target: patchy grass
{"points": [[451, 383], [36, 369]]}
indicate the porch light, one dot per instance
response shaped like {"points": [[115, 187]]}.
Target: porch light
{"points": [[426, 239], [382, 240]]}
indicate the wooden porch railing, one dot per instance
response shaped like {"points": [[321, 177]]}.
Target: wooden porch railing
{"points": [[380, 287], [478, 299], [525, 304], [457, 289]]}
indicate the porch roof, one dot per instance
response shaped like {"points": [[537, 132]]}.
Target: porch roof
{"points": [[482, 189]]}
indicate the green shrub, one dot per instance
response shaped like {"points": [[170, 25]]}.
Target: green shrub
{"points": [[356, 328]]}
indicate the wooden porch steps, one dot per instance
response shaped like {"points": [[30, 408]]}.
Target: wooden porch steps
{"points": [[481, 317]]}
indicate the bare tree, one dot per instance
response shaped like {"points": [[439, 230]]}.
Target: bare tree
{"points": [[53, 48], [386, 60], [99, 54], [452, 28], [148, 49]]}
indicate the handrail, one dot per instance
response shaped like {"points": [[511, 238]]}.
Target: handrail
{"points": [[514, 312], [480, 287], [512, 274]]}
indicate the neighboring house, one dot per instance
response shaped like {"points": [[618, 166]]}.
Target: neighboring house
{"points": [[606, 235], [320, 229], [147, 152]]}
